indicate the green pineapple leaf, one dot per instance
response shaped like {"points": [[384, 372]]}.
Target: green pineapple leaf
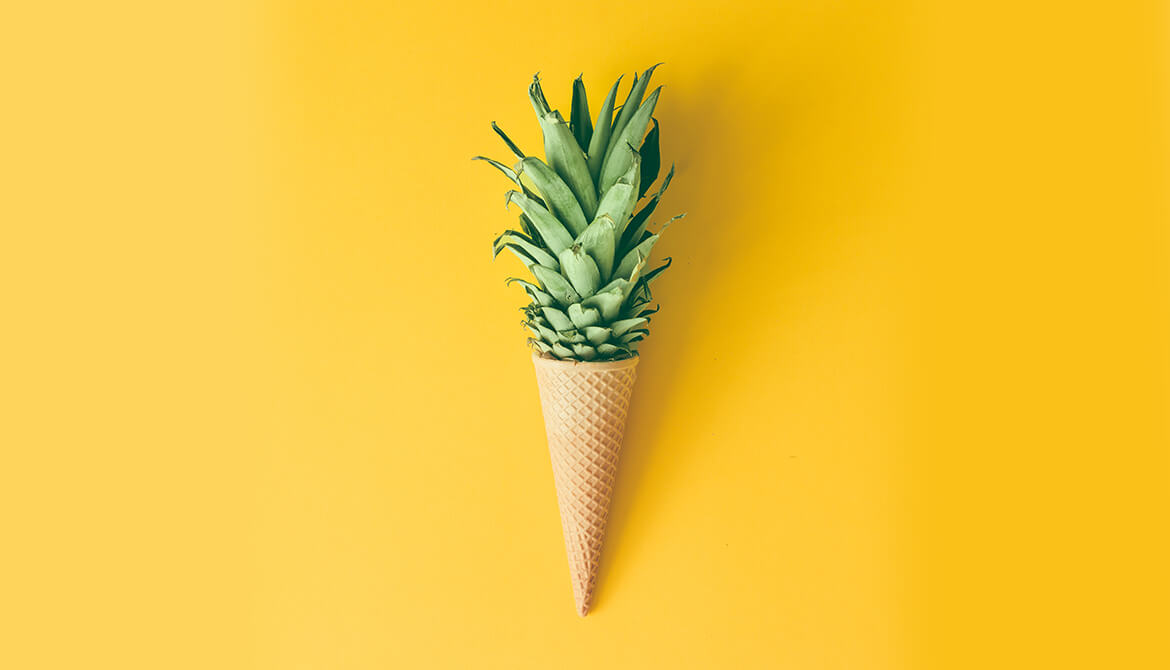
{"points": [[579, 121], [651, 160], [584, 351], [630, 106], [623, 326], [526, 249], [618, 202], [598, 241], [634, 335], [601, 133], [613, 351], [511, 145], [633, 232], [617, 162], [530, 230], [642, 249], [562, 151], [556, 318], [608, 301], [580, 269], [508, 172], [556, 285], [648, 311], [551, 230], [635, 257], [642, 287], [584, 317], [571, 336], [534, 291], [560, 200], [547, 334], [513, 175], [581, 234], [597, 334]]}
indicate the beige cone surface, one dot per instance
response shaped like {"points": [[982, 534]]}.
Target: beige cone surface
{"points": [[585, 407]]}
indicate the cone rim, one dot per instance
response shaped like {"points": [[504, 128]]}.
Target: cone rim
{"points": [[584, 366]]}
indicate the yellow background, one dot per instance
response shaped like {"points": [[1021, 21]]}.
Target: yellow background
{"points": [[265, 402]]}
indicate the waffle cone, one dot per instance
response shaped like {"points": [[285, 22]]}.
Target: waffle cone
{"points": [[585, 406]]}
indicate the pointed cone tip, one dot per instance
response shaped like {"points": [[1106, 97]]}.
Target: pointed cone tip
{"points": [[582, 601]]}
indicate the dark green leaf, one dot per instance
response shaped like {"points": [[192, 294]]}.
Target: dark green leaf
{"points": [[651, 160], [634, 335], [511, 145], [634, 257], [579, 121], [527, 226], [637, 226], [648, 311], [643, 284]]}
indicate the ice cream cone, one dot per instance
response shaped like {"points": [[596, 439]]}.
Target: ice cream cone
{"points": [[585, 406]]}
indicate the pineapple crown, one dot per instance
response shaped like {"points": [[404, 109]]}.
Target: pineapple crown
{"points": [[579, 234]]}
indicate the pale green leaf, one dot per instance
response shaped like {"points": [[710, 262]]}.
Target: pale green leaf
{"points": [[598, 241], [556, 285], [601, 133], [580, 269], [562, 151], [583, 317], [560, 200], [552, 231], [616, 161]]}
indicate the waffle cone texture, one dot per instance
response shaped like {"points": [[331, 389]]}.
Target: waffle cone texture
{"points": [[585, 407]]}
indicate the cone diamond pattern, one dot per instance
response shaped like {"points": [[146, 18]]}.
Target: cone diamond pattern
{"points": [[585, 407]]}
